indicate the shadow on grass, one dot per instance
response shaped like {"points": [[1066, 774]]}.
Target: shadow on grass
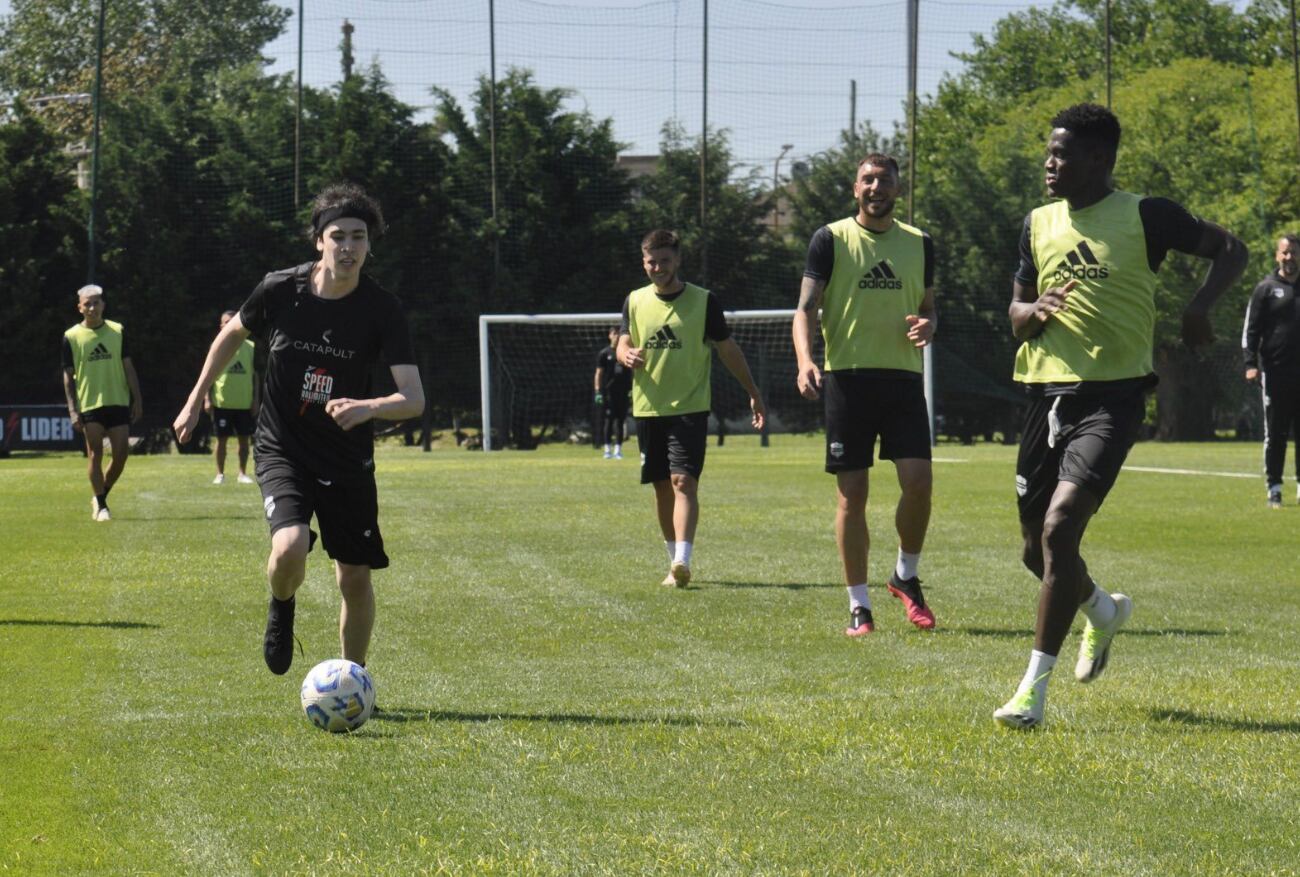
{"points": [[788, 586], [1182, 717], [1004, 633], [402, 714], [53, 622]]}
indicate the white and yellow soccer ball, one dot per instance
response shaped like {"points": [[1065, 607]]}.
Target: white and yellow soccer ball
{"points": [[338, 695]]}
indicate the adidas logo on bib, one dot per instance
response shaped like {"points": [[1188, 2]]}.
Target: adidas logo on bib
{"points": [[663, 339], [880, 277], [1080, 264]]}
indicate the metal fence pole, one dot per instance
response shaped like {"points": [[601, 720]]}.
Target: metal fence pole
{"points": [[297, 123], [94, 145], [704, 159]]}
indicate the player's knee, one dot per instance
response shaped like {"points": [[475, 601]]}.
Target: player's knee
{"points": [[354, 582], [289, 546], [1031, 555], [1060, 534], [683, 484]]}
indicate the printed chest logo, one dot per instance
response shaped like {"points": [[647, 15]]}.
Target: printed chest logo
{"points": [[1278, 292], [99, 352], [880, 277], [663, 339], [237, 369], [324, 347], [1080, 264], [317, 385]]}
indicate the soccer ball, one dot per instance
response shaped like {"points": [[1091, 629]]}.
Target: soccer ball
{"points": [[338, 695]]}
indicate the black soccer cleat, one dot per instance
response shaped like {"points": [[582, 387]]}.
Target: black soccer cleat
{"points": [[277, 644], [860, 623]]}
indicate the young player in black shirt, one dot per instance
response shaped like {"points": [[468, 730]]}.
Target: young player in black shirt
{"points": [[326, 326]]}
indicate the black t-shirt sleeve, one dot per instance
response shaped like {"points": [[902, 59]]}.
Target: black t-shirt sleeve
{"points": [[1168, 226], [395, 336], [1027, 273], [626, 322], [821, 255], [927, 243], [126, 350], [65, 354], [715, 321], [255, 315]]}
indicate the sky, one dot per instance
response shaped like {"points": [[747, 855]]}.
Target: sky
{"points": [[779, 71]]}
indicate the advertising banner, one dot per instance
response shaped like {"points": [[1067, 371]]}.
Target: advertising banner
{"points": [[37, 428]]}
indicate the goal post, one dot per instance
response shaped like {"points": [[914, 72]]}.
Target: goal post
{"points": [[536, 372]]}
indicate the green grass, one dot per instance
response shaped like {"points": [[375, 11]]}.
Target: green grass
{"points": [[550, 709]]}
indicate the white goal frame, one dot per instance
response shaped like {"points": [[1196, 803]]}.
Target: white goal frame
{"points": [[484, 359]]}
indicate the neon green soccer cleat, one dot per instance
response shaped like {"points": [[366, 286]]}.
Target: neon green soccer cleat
{"points": [[1022, 712], [1094, 649]]}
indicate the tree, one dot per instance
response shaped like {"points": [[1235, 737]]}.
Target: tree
{"points": [[42, 262], [48, 46]]}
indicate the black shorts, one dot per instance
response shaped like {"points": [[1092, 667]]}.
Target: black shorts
{"points": [[108, 416], [232, 421], [1093, 439], [616, 407], [672, 445], [863, 405], [347, 514]]}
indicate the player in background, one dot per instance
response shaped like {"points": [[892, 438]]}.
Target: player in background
{"points": [[613, 386], [669, 332], [873, 278], [327, 325], [232, 405], [1270, 344], [1083, 304], [102, 391]]}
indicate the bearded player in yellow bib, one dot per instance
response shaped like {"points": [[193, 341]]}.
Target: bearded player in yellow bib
{"points": [[668, 334], [872, 277], [1083, 304]]}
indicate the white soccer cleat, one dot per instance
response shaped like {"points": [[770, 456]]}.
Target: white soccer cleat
{"points": [[244, 479], [219, 479], [669, 581], [94, 509], [103, 515], [680, 573], [1094, 648], [1022, 712]]}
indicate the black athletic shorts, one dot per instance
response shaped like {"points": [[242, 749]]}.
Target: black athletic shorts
{"points": [[108, 416], [232, 421], [672, 445], [615, 407], [1093, 437], [863, 405], [347, 514]]}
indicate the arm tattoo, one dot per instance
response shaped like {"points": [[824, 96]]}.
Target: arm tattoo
{"points": [[810, 294]]}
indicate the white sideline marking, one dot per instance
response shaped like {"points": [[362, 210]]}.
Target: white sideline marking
{"points": [[947, 460], [1190, 472]]}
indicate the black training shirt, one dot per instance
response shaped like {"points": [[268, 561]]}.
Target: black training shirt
{"points": [[615, 378], [321, 349]]}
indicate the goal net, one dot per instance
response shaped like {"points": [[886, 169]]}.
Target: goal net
{"points": [[537, 375]]}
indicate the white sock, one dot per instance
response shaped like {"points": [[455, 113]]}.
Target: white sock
{"points": [[672, 550], [607, 447], [1038, 672], [906, 566], [683, 554], [618, 448], [1099, 608], [858, 596]]}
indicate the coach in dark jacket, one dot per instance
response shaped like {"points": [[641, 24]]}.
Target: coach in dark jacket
{"points": [[1270, 344]]}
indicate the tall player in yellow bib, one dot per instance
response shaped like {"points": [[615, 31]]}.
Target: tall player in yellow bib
{"points": [[1083, 304], [873, 278], [103, 392], [668, 334]]}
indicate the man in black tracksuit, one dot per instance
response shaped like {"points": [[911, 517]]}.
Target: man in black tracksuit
{"points": [[1270, 344]]}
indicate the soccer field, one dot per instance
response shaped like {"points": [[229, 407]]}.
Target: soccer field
{"points": [[549, 708]]}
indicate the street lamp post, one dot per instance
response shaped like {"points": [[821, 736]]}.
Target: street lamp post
{"points": [[776, 185]]}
